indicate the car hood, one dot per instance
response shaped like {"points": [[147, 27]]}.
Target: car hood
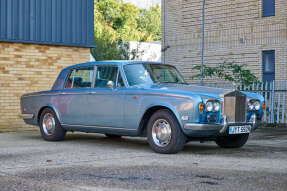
{"points": [[202, 91]]}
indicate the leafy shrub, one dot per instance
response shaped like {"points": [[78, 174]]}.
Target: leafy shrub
{"points": [[227, 71]]}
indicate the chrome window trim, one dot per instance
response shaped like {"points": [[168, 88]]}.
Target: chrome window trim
{"points": [[73, 79], [125, 77], [120, 75], [117, 78], [94, 76]]}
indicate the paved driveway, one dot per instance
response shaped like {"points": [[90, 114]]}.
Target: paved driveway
{"points": [[95, 162]]}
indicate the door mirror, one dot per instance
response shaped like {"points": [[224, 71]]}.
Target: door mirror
{"points": [[110, 84]]}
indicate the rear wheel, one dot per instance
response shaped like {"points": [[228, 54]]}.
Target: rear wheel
{"points": [[50, 127], [232, 141], [164, 134]]}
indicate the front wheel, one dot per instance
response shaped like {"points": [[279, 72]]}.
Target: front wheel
{"points": [[164, 134], [232, 141], [50, 127]]}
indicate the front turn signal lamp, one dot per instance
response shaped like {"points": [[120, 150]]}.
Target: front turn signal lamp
{"points": [[201, 107]]}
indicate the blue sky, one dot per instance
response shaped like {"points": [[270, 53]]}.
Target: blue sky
{"points": [[143, 3]]}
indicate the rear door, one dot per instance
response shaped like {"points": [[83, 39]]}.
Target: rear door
{"points": [[73, 104], [105, 103]]}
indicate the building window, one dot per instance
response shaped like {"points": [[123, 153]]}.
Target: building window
{"points": [[268, 8], [268, 62]]}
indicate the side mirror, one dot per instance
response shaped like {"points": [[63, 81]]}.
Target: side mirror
{"points": [[110, 84]]}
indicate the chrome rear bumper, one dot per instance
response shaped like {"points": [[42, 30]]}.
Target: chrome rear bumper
{"points": [[26, 116]]}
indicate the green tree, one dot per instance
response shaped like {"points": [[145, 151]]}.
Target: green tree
{"points": [[149, 22], [116, 23], [105, 36]]}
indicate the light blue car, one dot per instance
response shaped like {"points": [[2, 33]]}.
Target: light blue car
{"points": [[135, 98]]}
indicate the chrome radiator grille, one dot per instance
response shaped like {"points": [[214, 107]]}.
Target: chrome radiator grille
{"points": [[234, 106]]}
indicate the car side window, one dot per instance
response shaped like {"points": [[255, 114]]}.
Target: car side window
{"points": [[80, 78], [104, 75]]}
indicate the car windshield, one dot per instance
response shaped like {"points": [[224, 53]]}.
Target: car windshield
{"points": [[146, 74]]}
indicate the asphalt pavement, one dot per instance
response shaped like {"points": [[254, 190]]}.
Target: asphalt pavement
{"points": [[95, 162]]}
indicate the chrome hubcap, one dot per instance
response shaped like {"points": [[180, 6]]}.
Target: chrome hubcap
{"points": [[48, 124], [161, 132]]}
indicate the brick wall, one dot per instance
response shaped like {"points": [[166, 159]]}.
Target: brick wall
{"points": [[234, 31], [28, 68]]}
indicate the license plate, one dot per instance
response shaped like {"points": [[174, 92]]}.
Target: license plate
{"points": [[239, 129]]}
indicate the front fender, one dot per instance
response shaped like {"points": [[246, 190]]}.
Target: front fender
{"points": [[179, 107], [170, 107]]}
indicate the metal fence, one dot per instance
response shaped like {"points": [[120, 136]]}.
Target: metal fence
{"points": [[274, 93]]}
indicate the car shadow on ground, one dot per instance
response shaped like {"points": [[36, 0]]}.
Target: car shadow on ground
{"points": [[257, 146], [132, 143]]}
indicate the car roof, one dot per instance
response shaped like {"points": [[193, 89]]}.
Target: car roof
{"points": [[110, 62]]}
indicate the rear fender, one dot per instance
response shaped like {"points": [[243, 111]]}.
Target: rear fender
{"points": [[54, 109]]}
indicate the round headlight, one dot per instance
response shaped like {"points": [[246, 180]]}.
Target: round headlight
{"points": [[209, 106], [256, 105], [250, 106], [216, 106]]}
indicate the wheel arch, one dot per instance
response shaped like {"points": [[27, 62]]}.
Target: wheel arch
{"points": [[150, 111], [47, 106]]}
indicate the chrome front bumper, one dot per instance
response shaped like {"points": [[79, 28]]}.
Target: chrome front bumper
{"points": [[26, 116], [221, 128]]}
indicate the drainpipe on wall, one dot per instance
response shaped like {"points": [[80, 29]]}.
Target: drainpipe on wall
{"points": [[202, 42], [163, 29]]}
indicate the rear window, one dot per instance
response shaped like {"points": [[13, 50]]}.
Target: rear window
{"points": [[80, 78]]}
